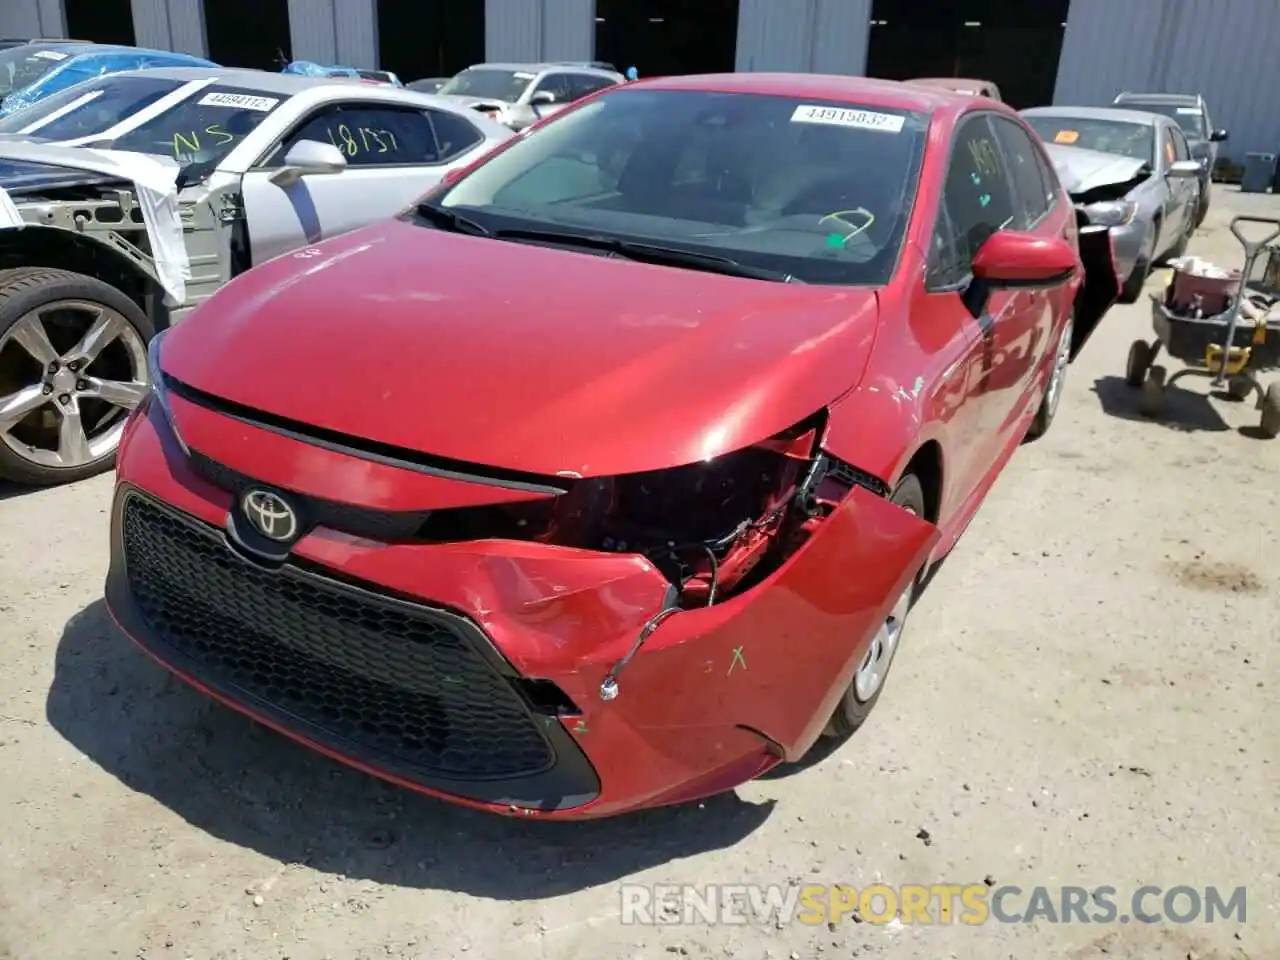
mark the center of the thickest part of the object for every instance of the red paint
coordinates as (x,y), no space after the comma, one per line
(532,359)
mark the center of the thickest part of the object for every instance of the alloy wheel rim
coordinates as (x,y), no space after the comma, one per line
(875,664)
(1061,360)
(70,372)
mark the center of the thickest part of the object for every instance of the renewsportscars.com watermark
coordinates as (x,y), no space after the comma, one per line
(930,904)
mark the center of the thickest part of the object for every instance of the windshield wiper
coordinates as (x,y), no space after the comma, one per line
(449,220)
(650,253)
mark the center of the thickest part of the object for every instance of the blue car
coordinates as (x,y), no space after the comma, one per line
(33,71)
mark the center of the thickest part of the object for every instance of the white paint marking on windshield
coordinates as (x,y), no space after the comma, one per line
(1189,110)
(62,111)
(49,55)
(147,113)
(842,117)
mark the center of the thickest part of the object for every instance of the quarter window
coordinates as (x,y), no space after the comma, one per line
(368,135)
(977,200)
(454,135)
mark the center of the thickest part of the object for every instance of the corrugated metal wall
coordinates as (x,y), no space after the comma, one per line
(32,18)
(170,25)
(530,30)
(1223,49)
(822,36)
(334,31)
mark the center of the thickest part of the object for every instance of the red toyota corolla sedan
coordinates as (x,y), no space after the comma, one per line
(605,477)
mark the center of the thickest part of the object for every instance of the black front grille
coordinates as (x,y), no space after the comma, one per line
(399,684)
(386,525)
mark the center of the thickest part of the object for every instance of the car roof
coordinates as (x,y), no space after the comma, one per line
(286,84)
(863,90)
(951,83)
(541,67)
(1189,99)
(1099,113)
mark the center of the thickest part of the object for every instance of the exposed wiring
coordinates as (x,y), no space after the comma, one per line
(715,575)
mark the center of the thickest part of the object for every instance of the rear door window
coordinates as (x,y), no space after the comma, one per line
(584,84)
(1034,197)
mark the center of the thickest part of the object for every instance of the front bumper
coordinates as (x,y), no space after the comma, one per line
(472,671)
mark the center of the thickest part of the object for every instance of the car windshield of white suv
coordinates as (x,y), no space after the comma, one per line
(774,187)
(504,85)
(22,66)
(1190,119)
(1122,138)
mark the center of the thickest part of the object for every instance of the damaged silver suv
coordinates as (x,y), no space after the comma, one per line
(127,200)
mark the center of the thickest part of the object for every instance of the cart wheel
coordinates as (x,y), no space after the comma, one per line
(1153,392)
(1139,362)
(1239,388)
(1271,411)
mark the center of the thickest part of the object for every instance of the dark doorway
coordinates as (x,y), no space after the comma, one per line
(1014,45)
(248,33)
(102,21)
(666,37)
(417,40)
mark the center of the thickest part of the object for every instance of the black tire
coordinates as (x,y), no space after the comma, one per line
(1048,408)
(1153,392)
(852,712)
(23,290)
(1139,362)
(1239,388)
(1132,288)
(1180,247)
(1271,411)
(1202,208)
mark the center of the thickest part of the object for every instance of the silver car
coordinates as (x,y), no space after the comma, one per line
(128,200)
(1130,171)
(520,94)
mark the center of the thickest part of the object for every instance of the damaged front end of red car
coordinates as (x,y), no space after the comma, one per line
(599,646)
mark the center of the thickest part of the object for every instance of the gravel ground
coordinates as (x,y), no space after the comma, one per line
(1086,696)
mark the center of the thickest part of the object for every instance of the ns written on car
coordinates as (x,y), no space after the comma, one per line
(195,123)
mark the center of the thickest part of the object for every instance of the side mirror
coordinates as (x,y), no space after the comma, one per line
(1185,168)
(1218,136)
(543,98)
(1013,259)
(309,158)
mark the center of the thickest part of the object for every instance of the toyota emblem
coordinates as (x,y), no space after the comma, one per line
(270,515)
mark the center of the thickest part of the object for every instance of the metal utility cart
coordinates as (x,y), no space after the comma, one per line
(1219,327)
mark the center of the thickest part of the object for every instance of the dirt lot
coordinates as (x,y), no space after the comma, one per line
(1087,696)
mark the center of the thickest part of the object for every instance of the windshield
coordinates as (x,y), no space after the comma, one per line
(1190,119)
(818,191)
(1133,140)
(504,85)
(87,108)
(203,128)
(22,66)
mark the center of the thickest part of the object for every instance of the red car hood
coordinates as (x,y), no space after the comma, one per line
(522,357)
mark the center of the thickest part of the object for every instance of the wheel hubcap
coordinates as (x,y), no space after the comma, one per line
(875,665)
(70,371)
(1061,360)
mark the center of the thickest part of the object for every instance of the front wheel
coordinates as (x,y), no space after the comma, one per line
(856,704)
(1053,388)
(73,363)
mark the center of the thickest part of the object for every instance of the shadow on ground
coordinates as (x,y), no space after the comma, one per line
(1182,410)
(247,785)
